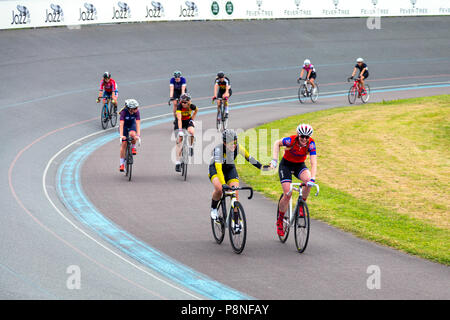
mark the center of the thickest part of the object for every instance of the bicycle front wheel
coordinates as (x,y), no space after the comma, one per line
(301,226)
(218,226)
(315,93)
(285,222)
(352,94)
(104,116)
(185,159)
(129,163)
(237,237)
(113,116)
(302,94)
(365,96)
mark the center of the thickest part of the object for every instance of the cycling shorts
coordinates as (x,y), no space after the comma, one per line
(229,172)
(287,168)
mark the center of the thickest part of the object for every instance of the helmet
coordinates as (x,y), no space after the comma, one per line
(131,104)
(106,75)
(177,74)
(229,135)
(360,60)
(307,62)
(185,97)
(304,130)
(220,74)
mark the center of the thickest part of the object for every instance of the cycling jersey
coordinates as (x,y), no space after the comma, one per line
(223,84)
(294,152)
(360,68)
(222,161)
(309,67)
(186,112)
(177,85)
(109,87)
(128,118)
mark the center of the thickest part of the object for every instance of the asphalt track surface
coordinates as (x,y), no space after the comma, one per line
(49,80)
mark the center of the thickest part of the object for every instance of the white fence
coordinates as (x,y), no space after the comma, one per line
(42,13)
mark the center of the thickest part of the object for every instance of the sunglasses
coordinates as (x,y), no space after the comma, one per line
(304,137)
(183,102)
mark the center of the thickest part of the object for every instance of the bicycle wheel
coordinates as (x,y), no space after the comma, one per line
(218,226)
(302,94)
(104,116)
(237,239)
(224,118)
(129,162)
(301,227)
(218,120)
(366,95)
(185,159)
(113,116)
(315,93)
(352,94)
(285,222)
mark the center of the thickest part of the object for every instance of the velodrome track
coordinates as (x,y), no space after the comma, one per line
(49,80)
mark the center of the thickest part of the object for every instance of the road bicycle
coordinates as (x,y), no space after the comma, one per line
(297,218)
(306,91)
(228,220)
(356,91)
(222,117)
(128,159)
(187,150)
(108,114)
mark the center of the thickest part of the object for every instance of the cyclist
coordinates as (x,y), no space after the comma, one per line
(310,73)
(222,89)
(186,112)
(222,170)
(130,125)
(177,87)
(363,72)
(297,148)
(108,89)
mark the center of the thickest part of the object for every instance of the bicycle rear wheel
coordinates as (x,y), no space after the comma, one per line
(301,226)
(315,93)
(113,116)
(352,94)
(366,95)
(285,222)
(237,239)
(104,116)
(218,226)
(302,94)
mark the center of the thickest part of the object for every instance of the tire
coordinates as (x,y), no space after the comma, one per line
(352,94)
(301,227)
(238,240)
(315,96)
(218,122)
(104,117)
(285,223)
(218,227)
(113,116)
(129,160)
(365,98)
(302,94)
(185,159)
(224,119)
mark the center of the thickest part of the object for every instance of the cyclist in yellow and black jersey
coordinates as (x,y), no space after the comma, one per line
(222,169)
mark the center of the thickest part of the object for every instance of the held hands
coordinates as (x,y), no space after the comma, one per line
(273,163)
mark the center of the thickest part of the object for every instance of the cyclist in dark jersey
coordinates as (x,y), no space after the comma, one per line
(222,169)
(129,125)
(363,71)
(222,89)
(297,148)
(186,112)
(177,87)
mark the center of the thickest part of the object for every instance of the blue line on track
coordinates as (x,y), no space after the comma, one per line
(70,191)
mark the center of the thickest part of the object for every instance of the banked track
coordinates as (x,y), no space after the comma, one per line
(49,80)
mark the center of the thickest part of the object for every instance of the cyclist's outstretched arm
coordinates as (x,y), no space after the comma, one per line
(194,114)
(276,150)
(301,73)
(249,158)
(354,72)
(183,88)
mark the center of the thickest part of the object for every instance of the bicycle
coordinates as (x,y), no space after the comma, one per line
(237,238)
(128,159)
(306,91)
(357,92)
(300,222)
(222,117)
(186,152)
(108,114)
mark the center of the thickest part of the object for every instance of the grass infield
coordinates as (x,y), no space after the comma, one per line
(383,171)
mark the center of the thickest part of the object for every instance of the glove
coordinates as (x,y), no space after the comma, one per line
(298,80)
(98,100)
(350,78)
(274,163)
(311,183)
(214,98)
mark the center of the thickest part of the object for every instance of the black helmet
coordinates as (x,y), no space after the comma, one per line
(177,74)
(220,74)
(185,97)
(229,135)
(106,75)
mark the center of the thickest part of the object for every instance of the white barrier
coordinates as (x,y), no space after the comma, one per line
(42,13)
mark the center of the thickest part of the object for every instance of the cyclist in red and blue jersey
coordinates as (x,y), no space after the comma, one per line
(177,87)
(130,125)
(297,149)
(108,89)
(311,74)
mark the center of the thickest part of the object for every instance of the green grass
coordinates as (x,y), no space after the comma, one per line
(383,170)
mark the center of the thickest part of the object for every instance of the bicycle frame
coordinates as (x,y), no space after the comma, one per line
(357,85)
(297,187)
(231,192)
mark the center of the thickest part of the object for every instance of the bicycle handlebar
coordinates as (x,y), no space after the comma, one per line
(225,188)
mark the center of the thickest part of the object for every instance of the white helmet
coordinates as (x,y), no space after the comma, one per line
(307,62)
(131,104)
(304,130)
(360,60)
